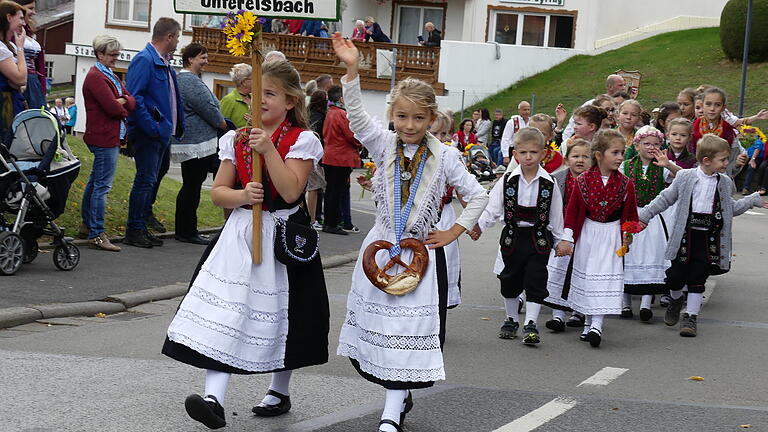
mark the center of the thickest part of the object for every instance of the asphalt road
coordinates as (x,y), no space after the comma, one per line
(106,374)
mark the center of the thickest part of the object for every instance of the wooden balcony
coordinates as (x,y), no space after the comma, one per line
(314,56)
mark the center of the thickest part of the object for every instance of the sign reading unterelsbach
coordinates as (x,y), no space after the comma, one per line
(304,9)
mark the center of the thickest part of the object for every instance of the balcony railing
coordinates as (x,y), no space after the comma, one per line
(314,56)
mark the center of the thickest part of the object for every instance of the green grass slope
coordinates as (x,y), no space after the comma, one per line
(669,62)
(208,215)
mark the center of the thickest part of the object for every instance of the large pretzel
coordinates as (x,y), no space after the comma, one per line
(401,283)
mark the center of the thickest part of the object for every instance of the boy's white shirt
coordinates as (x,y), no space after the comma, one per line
(527,196)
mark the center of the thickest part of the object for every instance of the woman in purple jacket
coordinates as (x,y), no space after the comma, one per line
(107,104)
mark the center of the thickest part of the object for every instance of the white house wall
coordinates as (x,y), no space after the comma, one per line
(63,67)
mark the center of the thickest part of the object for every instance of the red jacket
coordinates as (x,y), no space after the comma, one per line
(294,25)
(102,111)
(341,147)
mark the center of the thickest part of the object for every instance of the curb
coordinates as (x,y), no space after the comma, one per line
(16,316)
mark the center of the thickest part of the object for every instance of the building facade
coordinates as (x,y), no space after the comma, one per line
(505,39)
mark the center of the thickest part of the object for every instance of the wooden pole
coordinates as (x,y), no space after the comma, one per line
(256,122)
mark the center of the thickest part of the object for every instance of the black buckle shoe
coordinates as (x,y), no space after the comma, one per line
(264,410)
(594,337)
(626,312)
(556,325)
(646,314)
(672,316)
(576,320)
(531,334)
(209,413)
(688,326)
(391,423)
(509,329)
(137,238)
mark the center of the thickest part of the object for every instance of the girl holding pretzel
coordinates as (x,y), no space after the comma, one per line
(395,324)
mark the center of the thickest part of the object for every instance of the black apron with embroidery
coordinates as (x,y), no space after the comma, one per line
(712,224)
(538,216)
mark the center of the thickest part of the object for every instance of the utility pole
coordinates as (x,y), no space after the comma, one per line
(745,58)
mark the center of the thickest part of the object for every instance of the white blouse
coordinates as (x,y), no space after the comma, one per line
(6,53)
(307,147)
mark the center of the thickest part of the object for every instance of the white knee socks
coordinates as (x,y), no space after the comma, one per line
(511,305)
(532,312)
(216,384)
(280,383)
(694,303)
(587,324)
(394,403)
(626,300)
(597,323)
(558,314)
(645,302)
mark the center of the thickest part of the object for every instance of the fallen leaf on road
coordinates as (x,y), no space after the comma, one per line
(745,426)
(100,315)
(485,319)
(614,409)
(696,378)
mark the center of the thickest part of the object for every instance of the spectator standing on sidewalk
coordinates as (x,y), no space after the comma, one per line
(157,117)
(196,150)
(69,103)
(515,123)
(60,111)
(318,107)
(342,154)
(482,119)
(497,131)
(236,106)
(107,105)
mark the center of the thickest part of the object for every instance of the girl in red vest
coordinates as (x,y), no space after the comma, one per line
(602,200)
(712,122)
(243,318)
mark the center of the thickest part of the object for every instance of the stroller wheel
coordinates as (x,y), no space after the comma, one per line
(30,250)
(11,252)
(66,258)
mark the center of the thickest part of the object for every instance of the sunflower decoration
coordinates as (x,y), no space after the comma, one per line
(239,29)
(750,134)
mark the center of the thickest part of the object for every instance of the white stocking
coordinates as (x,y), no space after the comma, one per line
(216,384)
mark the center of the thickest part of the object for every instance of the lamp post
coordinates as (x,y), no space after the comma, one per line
(745,58)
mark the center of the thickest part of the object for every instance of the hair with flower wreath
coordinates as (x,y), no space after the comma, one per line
(648,131)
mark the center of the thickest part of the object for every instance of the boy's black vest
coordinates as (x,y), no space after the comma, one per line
(538,216)
(708,224)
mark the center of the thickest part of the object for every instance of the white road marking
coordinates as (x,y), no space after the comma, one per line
(754,213)
(540,416)
(604,376)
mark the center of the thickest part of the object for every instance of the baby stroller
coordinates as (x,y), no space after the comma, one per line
(36,173)
(479,163)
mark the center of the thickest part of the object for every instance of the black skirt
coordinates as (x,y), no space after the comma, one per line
(308,320)
(442,289)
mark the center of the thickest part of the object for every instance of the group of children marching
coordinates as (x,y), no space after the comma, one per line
(558,246)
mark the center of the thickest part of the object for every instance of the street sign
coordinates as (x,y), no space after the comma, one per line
(301,9)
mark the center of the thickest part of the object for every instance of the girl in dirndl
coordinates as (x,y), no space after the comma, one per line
(602,201)
(396,340)
(245,318)
(645,264)
(559,268)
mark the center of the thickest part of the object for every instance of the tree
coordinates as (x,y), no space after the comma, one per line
(732,25)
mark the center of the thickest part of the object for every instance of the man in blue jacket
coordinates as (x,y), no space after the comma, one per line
(158,116)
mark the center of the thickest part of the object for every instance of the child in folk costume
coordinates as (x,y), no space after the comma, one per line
(529,202)
(714,104)
(700,241)
(586,122)
(559,268)
(644,264)
(449,256)
(553,159)
(244,318)
(678,136)
(630,112)
(395,340)
(601,202)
